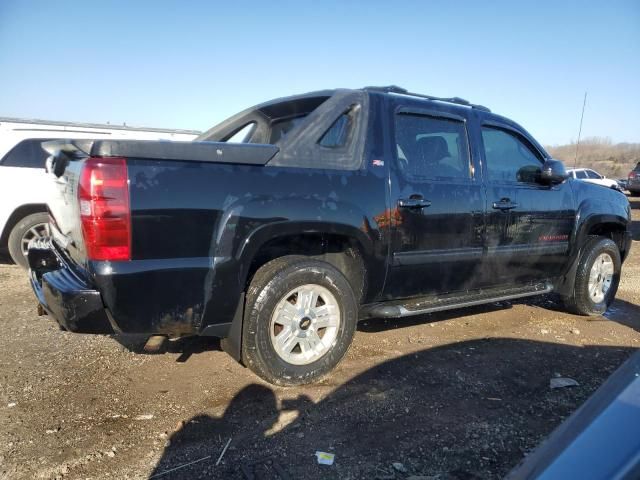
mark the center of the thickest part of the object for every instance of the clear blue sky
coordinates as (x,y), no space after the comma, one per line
(190,64)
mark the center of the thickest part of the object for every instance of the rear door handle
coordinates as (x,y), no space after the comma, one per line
(504,204)
(415,203)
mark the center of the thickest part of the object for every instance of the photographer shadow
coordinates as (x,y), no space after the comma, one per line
(433,409)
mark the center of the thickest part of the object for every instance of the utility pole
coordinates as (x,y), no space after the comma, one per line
(584,103)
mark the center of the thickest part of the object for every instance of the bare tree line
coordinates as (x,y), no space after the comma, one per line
(614,160)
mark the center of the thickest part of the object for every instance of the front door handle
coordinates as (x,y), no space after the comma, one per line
(504,204)
(413,202)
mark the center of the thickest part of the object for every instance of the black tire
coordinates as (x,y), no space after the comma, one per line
(580,302)
(268,287)
(17,236)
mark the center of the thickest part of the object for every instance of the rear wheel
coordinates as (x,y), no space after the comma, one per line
(32,226)
(300,318)
(597,278)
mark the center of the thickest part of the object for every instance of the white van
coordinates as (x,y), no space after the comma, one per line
(23,183)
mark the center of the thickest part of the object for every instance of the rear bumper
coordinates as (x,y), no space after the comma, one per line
(64,293)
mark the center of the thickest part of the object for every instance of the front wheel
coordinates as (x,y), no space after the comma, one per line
(300,318)
(597,277)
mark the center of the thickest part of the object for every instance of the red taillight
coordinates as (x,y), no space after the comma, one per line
(632,175)
(103,193)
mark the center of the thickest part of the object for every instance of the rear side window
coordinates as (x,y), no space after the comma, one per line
(430,148)
(581,174)
(508,157)
(27,154)
(338,134)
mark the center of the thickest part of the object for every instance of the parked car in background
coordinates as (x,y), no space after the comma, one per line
(622,183)
(633,180)
(591,176)
(23,183)
(337,205)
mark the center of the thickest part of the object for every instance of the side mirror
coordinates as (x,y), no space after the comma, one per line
(553,172)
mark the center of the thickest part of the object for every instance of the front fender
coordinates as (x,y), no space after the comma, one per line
(591,212)
(597,211)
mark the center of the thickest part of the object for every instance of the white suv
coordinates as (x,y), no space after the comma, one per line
(23,182)
(591,176)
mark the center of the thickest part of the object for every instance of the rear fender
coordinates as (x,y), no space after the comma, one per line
(239,238)
(245,227)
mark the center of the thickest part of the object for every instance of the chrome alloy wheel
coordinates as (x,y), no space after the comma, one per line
(305,323)
(600,277)
(37,231)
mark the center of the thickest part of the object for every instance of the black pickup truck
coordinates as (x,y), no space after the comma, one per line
(280,228)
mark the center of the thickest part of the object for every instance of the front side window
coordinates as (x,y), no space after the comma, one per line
(431,148)
(27,154)
(508,158)
(593,175)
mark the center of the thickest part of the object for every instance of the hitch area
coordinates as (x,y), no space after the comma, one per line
(155,343)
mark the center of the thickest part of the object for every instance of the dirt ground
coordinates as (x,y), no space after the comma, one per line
(458,395)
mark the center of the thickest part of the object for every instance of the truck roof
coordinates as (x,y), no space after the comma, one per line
(390,89)
(403,91)
(299,105)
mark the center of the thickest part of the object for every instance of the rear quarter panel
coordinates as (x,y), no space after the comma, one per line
(197,226)
(65,211)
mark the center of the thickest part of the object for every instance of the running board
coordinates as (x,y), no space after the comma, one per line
(419,306)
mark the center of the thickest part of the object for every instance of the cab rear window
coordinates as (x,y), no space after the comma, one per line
(280,128)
